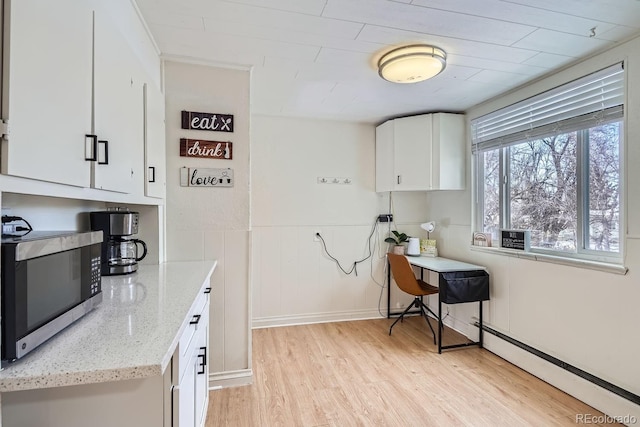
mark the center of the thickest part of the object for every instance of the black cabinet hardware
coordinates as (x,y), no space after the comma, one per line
(203,358)
(91,146)
(106,153)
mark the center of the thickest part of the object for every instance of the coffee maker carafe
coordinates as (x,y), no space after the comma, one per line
(120,254)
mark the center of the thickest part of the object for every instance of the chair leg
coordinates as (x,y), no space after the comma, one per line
(426,319)
(402,315)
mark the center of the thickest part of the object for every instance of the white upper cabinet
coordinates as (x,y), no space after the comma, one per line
(448,152)
(74,99)
(47,90)
(421,153)
(154,142)
(118,110)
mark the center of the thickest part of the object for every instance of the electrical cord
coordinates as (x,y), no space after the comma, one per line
(354,266)
(9,230)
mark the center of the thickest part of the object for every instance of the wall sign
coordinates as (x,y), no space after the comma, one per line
(206,177)
(515,239)
(207,121)
(206,149)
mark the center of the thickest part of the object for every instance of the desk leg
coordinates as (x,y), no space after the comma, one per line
(480,328)
(439,326)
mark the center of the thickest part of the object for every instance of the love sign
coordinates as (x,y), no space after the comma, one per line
(206,177)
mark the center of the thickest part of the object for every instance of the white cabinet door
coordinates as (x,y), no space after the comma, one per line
(202,370)
(449,152)
(47,90)
(191,396)
(187,397)
(385,173)
(412,152)
(118,109)
(154,142)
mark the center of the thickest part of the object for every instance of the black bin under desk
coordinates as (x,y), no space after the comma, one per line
(460,287)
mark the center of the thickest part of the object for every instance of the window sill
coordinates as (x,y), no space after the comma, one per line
(534,256)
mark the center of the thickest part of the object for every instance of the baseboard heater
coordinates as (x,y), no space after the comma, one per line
(564,365)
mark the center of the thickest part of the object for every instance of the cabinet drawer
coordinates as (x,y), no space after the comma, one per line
(198,316)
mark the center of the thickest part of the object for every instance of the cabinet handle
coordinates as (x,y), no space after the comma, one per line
(203,362)
(195,320)
(91,146)
(399,179)
(152,169)
(106,153)
(207,290)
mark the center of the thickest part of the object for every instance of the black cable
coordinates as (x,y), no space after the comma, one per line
(354,267)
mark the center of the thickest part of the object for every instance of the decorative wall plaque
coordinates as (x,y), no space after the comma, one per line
(206,149)
(207,121)
(482,239)
(206,177)
(515,239)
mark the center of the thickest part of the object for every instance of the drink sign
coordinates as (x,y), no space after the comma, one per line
(207,121)
(206,149)
(206,177)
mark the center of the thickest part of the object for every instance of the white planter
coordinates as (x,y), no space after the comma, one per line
(398,249)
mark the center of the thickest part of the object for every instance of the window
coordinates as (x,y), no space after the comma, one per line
(551,164)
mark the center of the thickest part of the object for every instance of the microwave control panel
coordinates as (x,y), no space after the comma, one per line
(95,275)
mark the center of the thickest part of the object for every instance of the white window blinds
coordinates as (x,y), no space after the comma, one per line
(594,99)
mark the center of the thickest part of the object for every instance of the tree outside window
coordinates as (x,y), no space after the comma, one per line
(564,188)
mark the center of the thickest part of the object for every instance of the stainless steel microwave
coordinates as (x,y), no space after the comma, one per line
(49,280)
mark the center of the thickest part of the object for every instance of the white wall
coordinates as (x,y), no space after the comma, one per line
(293,281)
(62,214)
(213,223)
(584,317)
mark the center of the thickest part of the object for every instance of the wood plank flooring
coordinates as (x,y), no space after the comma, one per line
(355,374)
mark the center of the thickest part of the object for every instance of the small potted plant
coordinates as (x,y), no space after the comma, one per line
(397,240)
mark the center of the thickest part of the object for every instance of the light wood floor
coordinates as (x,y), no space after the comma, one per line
(355,374)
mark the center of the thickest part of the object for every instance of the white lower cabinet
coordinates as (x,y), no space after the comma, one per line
(177,398)
(191,369)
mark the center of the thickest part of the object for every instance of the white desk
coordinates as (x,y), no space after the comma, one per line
(440,265)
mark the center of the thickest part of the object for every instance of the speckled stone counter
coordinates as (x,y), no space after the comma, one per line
(132,334)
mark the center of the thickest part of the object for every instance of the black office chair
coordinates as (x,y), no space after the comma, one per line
(407,282)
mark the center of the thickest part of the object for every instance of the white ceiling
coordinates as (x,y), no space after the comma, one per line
(316,58)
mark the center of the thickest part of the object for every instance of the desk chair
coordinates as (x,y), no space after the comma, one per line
(407,282)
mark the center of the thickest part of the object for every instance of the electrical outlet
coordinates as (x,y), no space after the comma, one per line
(385,218)
(316,238)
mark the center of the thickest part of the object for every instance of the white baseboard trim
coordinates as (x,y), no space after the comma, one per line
(303,319)
(225,379)
(593,395)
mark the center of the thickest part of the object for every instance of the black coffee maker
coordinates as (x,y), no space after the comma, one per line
(119,253)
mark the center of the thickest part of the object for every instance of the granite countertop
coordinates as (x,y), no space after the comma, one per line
(131,334)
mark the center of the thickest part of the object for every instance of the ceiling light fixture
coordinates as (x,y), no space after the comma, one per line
(412,63)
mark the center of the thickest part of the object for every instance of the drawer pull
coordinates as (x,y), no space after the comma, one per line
(195,320)
(207,290)
(203,362)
